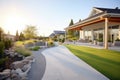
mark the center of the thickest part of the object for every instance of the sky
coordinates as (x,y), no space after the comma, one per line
(46,15)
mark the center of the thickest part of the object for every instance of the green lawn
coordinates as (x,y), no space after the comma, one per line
(105,61)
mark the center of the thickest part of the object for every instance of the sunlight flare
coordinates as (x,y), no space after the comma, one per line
(14,22)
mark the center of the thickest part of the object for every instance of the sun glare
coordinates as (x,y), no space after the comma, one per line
(14,22)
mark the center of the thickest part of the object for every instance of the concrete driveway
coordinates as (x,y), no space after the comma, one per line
(61,64)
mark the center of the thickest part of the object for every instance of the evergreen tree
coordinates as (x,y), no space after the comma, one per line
(1,33)
(71,22)
(21,37)
(80,20)
(70,34)
(17,36)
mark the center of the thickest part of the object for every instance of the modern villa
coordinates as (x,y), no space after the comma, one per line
(103,24)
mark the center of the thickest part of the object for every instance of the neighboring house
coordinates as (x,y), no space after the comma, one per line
(57,34)
(9,36)
(102,23)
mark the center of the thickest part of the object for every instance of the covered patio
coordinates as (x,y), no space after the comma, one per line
(102,27)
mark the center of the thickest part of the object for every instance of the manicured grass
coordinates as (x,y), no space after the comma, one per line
(105,61)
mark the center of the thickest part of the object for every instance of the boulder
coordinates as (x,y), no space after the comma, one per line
(23,75)
(26,68)
(29,58)
(5,74)
(15,75)
(17,64)
(25,61)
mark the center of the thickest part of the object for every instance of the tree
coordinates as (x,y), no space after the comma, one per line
(30,32)
(1,33)
(21,37)
(70,34)
(17,36)
(1,49)
(71,22)
(80,20)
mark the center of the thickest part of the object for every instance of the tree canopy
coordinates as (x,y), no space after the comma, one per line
(30,31)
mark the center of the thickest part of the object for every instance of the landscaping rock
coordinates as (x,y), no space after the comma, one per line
(5,74)
(29,58)
(17,64)
(21,74)
(14,75)
(25,62)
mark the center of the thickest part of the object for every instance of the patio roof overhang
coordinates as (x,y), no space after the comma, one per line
(101,18)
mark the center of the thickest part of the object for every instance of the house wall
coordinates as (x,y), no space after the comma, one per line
(81,34)
(10,37)
(100,25)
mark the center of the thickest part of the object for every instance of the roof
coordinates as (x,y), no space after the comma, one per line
(103,11)
(51,35)
(98,12)
(9,35)
(59,32)
(109,10)
(56,32)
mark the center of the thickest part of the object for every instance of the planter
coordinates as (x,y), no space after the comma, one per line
(116,43)
(95,42)
(100,43)
(109,44)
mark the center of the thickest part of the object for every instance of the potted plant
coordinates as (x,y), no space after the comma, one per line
(90,41)
(117,42)
(100,42)
(109,43)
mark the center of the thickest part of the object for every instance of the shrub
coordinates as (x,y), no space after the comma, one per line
(36,48)
(109,41)
(19,43)
(8,43)
(50,44)
(63,40)
(23,51)
(100,40)
(117,39)
(1,49)
(2,63)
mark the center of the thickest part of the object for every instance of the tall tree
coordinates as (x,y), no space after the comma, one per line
(17,36)
(30,32)
(1,33)
(70,34)
(80,20)
(71,22)
(21,37)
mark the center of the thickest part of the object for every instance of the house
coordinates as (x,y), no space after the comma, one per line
(102,24)
(57,34)
(9,36)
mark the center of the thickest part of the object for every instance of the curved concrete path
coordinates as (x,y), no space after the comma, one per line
(61,64)
(38,67)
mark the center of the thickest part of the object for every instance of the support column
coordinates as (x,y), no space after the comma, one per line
(92,35)
(119,32)
(106,33)
(79,34)
(84,34)
(66,35)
